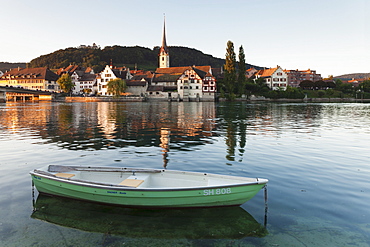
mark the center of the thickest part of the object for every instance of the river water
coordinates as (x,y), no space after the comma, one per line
(316,157)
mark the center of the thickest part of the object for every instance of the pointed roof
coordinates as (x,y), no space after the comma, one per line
(164,47)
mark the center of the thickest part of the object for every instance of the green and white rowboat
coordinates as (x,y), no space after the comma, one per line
(133,187)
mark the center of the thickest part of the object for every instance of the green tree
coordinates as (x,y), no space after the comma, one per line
(346,88)
(229,69)
(116,87)
(365,86)
(241,72)
(306,84)
(65,83)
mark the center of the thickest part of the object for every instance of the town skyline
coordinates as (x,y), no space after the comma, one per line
(328,36)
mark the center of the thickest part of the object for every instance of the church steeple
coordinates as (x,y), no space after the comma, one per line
(164,56)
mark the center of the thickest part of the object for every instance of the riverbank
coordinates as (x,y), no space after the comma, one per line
(253,99)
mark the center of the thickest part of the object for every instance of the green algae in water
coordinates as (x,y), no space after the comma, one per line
(203,223)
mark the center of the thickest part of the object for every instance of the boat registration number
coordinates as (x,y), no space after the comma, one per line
(212,192)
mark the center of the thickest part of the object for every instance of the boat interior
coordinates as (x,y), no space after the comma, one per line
(143,178)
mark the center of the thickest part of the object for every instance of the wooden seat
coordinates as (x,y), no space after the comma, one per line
(131,182)
(64,175)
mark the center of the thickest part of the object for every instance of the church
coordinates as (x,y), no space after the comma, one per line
(188,83)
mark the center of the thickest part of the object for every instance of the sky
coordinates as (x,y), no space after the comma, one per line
(329,36)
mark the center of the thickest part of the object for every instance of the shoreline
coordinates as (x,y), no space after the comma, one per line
(144,99)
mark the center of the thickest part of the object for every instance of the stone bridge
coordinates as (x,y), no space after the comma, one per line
(9,93)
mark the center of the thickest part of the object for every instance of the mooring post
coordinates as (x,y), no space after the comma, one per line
(266,206)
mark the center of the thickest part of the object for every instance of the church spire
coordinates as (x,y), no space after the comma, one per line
(164,57)
(164,43)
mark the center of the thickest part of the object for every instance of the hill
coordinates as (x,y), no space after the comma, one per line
(143,58)
(4,66)
(353,75)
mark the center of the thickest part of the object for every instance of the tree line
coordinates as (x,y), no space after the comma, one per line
(143,58)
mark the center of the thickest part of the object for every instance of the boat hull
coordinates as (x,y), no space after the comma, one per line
(225,195)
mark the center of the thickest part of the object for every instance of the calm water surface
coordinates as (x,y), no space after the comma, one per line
(316,157)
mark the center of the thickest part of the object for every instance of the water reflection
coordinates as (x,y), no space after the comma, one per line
(172,126)
(95,126)
(210,223)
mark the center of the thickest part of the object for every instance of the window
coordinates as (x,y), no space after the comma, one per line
(197,87)
(192,81)
(108,75)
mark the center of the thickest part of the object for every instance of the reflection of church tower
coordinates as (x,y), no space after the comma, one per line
(164,56)
(165,144)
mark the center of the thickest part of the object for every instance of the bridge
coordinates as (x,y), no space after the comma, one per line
(9,93)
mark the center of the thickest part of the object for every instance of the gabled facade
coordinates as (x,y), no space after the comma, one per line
(109,73)
(250,73)
(190,83)
(84,82)
(84,79)
(31,78)
(197,84)
(275,78)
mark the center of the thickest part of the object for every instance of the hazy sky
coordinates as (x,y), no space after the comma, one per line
(331,36)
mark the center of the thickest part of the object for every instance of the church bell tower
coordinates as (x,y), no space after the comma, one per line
(164,56)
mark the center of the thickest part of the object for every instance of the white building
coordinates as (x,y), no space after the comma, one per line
(109,73)
(190,83)
(275,78)
(84,82)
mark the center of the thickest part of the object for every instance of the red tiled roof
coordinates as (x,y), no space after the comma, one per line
(38,73)
(266,72)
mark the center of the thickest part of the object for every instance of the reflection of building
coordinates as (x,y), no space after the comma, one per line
(106,120)
(104,125)
(165,144)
